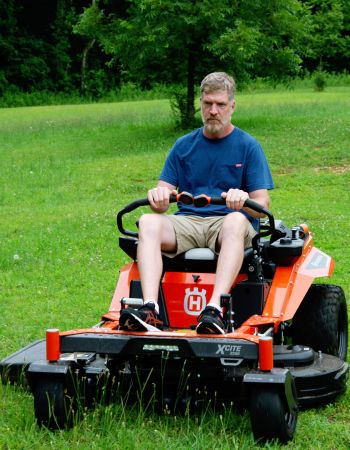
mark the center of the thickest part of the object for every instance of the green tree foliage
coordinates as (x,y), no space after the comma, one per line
(34,45)
(329,44)
(179,41)
(21,55)
(40,52)
(89,46)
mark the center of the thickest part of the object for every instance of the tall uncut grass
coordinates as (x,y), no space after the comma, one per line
(66,171)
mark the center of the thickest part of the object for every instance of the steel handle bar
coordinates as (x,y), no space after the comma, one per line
(198,201)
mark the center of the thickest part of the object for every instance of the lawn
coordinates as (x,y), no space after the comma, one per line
(67,170)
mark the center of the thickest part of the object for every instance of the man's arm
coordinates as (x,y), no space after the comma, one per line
(159,196)
(262,197)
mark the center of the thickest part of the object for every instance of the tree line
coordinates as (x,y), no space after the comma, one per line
(93,46)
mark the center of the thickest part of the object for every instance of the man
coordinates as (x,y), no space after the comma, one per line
(218,159)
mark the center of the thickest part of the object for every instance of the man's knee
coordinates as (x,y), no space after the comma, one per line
(235,222)
(234,225)
(149,224)
(157,228)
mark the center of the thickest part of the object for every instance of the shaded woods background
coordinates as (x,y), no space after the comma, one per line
(89,48)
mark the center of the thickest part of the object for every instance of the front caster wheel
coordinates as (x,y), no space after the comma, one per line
(270,416)
(54,406)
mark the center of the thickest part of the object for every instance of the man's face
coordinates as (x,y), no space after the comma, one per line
(216,110)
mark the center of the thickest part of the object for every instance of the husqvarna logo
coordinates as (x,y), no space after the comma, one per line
(194,301)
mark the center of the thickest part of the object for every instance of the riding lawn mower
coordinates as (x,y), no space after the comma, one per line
(284,347)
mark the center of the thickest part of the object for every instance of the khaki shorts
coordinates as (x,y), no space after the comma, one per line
(196,231)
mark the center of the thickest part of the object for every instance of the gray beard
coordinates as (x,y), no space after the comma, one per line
(213,128)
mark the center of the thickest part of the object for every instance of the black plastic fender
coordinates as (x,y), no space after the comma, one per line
(280,377)
(45,369)
(41,367)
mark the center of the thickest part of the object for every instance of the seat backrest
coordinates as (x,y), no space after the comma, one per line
(201,254)
(200,260)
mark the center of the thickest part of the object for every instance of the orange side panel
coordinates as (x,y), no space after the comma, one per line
(127,273)
(291,284)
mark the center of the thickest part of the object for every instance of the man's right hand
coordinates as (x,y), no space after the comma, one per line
(158,198)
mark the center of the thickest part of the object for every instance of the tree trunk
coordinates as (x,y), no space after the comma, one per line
(86,50)
(190,110)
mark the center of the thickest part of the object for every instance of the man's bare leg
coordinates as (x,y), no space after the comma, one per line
(156,234)
(231,241)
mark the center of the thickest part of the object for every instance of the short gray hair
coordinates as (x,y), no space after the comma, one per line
(219,81)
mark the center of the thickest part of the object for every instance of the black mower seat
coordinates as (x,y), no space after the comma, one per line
(194,260)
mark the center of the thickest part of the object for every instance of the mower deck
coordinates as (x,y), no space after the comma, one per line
(319,378)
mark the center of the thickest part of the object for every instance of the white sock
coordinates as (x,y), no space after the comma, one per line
(214,305)
(156,306)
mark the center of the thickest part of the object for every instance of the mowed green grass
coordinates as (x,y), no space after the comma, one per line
(65,171)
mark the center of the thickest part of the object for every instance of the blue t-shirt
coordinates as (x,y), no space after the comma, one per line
(200,165)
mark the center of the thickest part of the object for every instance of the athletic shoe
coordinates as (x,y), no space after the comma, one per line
(210,321)
(142,319)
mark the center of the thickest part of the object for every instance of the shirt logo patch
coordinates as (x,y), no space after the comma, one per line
(238,165)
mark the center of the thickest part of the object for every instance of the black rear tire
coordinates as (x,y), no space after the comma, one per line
(269,415)
(321,322)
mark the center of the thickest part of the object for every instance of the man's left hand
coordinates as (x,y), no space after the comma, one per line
(235,198)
